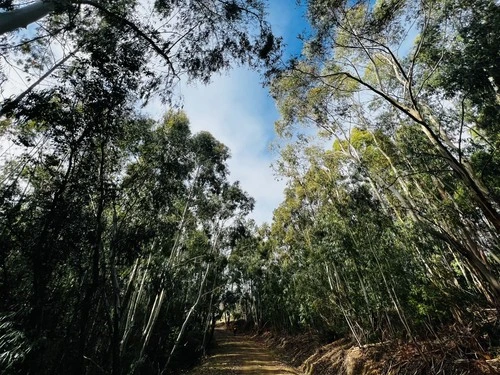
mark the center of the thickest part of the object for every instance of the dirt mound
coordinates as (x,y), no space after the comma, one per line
(342,357)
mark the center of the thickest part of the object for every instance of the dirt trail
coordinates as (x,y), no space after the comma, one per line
(239,354)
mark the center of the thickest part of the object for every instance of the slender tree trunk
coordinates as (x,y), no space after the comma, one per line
(12,104)
(188,317)
(132,307)
(428,124)
(117,305)
(481,270)
(467,178)
(95,267)
(174,254)
(206,342)
(22,17)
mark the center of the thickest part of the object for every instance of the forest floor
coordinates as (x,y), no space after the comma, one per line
(247,354)
(241,355)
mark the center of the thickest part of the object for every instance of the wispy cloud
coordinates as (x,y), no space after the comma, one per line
(240,113)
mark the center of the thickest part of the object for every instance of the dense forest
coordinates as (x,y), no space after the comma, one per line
(123,239)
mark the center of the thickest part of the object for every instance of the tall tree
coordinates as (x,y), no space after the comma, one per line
(116,227)
(169,39)
(389,66)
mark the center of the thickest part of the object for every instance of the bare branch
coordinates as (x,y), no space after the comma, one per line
(14,103)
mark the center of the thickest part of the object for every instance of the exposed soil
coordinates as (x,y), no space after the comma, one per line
(343,357)
(240,354)
(260,355)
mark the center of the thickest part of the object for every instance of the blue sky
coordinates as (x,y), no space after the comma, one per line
(236,109)
(239,112)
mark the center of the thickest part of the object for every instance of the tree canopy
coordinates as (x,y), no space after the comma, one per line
(389,226)
(155,42)
(123,239)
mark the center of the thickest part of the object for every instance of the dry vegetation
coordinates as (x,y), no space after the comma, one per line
(342,357)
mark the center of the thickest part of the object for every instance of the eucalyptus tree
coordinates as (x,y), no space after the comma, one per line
(119,237)
(72,136)
(177,209)
(181,38)
(103,217)
(390,66)
(340,260)
(247,268)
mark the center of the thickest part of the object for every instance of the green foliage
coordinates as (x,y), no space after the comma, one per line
(122,240)
(115,229)
(158,45)
(14,347)
(116,222)
(386,234)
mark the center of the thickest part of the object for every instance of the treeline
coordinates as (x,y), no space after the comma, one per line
(113,237)
(391,230)
(114,228)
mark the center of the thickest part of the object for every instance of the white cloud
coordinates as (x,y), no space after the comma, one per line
(239,113)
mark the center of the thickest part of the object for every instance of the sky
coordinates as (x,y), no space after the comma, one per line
(240,113)
(236,109)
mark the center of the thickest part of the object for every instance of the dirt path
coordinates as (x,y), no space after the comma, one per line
(239,354)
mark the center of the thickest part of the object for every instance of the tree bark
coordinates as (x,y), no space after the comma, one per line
(15,19)
(186,321)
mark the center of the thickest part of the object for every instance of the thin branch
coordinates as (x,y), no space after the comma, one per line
(14,103)
(414,60)
(462,122)
(408,111)
(135,28)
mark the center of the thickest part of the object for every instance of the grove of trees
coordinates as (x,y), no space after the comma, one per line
(114,228)
(123,241)
(390,224)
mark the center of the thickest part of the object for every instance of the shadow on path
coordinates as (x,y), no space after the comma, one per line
(239,355)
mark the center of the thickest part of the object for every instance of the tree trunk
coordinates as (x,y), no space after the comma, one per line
(186,321)
(10,21)
(95,282)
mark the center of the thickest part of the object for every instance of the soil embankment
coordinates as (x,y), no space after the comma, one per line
(343,357)
(259,355)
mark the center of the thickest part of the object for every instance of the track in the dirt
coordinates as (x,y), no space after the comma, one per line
(239,354)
